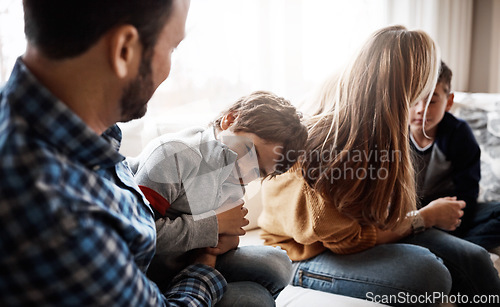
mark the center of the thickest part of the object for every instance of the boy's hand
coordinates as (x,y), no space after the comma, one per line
(231,218)
(226,243)
(444,213)
(205,258)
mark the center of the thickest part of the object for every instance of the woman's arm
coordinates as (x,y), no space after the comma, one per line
(444,213)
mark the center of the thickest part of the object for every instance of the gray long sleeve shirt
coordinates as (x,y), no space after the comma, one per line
(189,170)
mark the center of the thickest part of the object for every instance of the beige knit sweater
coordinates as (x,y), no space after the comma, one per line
(297,219)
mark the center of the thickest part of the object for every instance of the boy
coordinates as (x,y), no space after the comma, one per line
(195,181)
(447,164)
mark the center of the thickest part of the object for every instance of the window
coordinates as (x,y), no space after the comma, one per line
(235,46)
(12,42)
(289,47)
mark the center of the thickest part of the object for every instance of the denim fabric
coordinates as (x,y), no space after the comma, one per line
(246,294)
(249,271)
(384,270)
(483,227)
(470,265)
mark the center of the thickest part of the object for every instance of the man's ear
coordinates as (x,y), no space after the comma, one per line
(227,121)
(449,103)
(125,50)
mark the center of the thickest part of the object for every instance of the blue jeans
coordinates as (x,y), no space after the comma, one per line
(469,264)
(482,227)
(384,270)
(255,275)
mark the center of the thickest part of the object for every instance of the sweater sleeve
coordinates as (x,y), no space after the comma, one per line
(465,157)
(297,219)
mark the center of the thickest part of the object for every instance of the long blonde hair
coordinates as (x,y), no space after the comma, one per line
(357,155)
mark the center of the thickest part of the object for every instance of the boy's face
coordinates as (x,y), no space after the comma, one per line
(256,157)
(439,104)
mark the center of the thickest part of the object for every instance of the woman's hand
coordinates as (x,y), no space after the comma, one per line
(444,213)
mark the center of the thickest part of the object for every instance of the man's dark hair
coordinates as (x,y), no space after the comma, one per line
(445,75)
(67,28)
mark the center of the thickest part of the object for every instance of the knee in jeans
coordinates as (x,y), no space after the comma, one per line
(246,294)
(480,254)
(277,261)
(434,276)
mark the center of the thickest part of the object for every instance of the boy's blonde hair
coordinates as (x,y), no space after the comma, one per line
(365,110)
(273,119)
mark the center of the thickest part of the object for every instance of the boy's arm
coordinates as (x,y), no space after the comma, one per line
(165,171)
(161,171)
(187,232)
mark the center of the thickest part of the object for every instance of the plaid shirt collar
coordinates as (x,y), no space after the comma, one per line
(56,124)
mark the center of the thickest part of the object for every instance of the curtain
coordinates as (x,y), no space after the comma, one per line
(494,84)
(449,22)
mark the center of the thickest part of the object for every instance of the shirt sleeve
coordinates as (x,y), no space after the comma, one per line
(86,263)
(186,232)
(194,285)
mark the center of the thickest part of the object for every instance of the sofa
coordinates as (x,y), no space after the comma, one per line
(480,110)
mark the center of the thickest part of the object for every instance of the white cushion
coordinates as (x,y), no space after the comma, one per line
(293,296)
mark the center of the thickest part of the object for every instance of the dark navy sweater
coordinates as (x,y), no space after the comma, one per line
(451,166)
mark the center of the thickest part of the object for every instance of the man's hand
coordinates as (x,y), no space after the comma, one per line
(226,243)
(444,213)
(231,218)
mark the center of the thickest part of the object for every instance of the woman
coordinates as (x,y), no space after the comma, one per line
(354,191)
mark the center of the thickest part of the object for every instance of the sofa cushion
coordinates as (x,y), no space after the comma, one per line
(482,113)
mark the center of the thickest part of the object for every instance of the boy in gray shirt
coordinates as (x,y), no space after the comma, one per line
(195,181)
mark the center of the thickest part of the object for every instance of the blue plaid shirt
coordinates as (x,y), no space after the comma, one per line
(75,228)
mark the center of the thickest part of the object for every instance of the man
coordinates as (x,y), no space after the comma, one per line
(76,230)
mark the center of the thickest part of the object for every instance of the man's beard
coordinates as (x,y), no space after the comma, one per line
(138,92)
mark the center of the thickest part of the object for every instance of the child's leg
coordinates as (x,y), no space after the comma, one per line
(246,294)
(470,265)
(484,228)
(265,265)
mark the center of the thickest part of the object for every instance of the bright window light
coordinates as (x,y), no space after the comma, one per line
(233,47)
